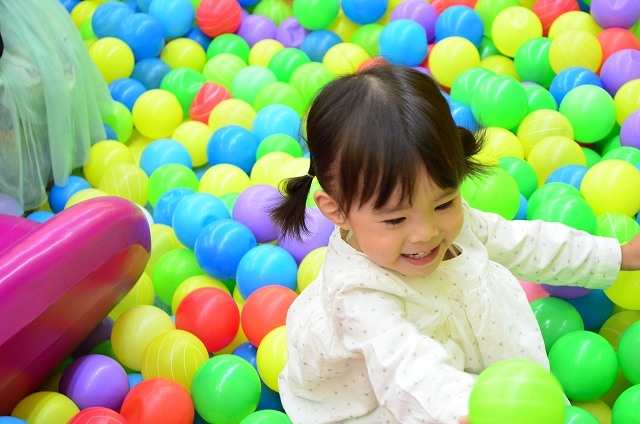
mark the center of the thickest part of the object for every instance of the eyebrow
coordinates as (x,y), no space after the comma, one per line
(391,209)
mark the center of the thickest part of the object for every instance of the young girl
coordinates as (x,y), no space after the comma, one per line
(419,292)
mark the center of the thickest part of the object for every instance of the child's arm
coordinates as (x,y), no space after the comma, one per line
(631,254)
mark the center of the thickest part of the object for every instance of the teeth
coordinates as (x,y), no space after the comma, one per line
(418,255)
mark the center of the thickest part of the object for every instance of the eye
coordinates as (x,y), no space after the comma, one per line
(395,221)
(444,205)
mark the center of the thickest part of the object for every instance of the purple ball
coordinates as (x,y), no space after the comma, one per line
(630,130)
(254,28)
(620,68)
(95,380)
(615,13)
(421,12)
(252,207)
(290,33)
(320,229)
(566,292)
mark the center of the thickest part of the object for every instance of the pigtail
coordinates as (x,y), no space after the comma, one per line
(290,211)
(472,144)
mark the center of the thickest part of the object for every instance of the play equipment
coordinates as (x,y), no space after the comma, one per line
(58,280)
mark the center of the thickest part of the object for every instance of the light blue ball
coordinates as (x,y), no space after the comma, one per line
(193,213)
(164,151)
(264,265)
(403,42)
(234,145)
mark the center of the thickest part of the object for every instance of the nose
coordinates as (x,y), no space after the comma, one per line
(422,230)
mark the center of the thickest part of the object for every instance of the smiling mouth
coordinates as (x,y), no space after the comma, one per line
(420,255)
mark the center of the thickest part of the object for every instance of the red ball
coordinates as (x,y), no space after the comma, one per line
(549,10)
(216,17)
(158,401)
(211,315)
(613,40)
(209,95)
(98,415)
(265,309)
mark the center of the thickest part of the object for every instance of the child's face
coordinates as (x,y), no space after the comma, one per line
(410,239)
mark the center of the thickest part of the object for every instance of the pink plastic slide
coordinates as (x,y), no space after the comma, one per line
(58,280)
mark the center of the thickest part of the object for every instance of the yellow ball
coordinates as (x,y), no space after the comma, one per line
(45,408)
(82,195)
(222,69)
(136,144)
(295,167)
(552,152)
(194,136)
(176,355)
(343,26)
(192,283)
(184,53)
(157,113)
(133,331)
(514,26)
(103,155)
(501,65)
(575,47)
(127,181)
(540,124)
(232,112)
(615,325)
(266,170)
(627,100)
(113,58)
(83,11)
(223,178)
(499,142)
(344,58)
(612,185)
(450,56)
(575,19)
(140,294)
(263,51)
(310,266)
(600,410)
(272,356)
(625,292)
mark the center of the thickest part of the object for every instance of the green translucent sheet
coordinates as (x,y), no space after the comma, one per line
(51,94)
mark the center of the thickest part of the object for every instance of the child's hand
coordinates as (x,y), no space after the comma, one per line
(464,420)
(631,254)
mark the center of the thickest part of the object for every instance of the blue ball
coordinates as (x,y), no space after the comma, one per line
(109,132)
(403,42)
(248,352)
(164,151)
(11,420)
(364,12)
(60,195)
(143,34)
(126,91)
(276,119)
(143,5)
(316,43)
(134,379)
(150,72)
(199,37)
(221,245)
(107,18)
(570,78)
(40,216)
(166,204)
(175,16)
(193,213)
(266,264)
(568,174)
(460,21)
(69,4)
(594,308)
(463,116)
(522,209)
(235,145)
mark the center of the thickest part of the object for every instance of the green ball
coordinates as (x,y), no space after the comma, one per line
(556,317)
(467,83)
(266,416)
(229,199)
(276,10)
(287,60)
(617,225)
(570,210)
(591,156)
(496,191)
(628,349)
(316,14)
(229,43)
(577,415)
(500,102)
(549,191)
(538,98)
(626,153)
(585,363)
(225,389)
(167,177)
(223,68)
(626,408)
(279,143)
(309,78)
(249,81)
(171,269)
(591,111)
(522,172)
(487,48)
(532,62)
(279,93)
(367,37)
(315,186)
(516,391)
(184,83)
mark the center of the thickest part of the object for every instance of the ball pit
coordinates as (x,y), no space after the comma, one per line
(207,88)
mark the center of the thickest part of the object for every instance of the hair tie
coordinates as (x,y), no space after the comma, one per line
(310,175)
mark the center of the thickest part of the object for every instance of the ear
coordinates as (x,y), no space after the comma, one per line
(330,209)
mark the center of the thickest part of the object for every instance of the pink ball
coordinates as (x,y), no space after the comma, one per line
(533,291)
(217,17)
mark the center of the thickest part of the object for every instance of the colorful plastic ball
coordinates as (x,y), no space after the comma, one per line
(403,42)
(500,102)
(594,308)
(568,174)
(285,61)
(549,10)
(96,415)
(591,111)
(229,43)
(263,265)
(252,209)
(556,317)
(150,71)
(82,195)
(630,131)
(576,415)
(134,329)
(613,40)
(221,245)
(175,16)
(207,97)
(276,119)
(627,353)
(226,389)
(199,37)
(612,185)
(364,12)
(157,113)
(367,37)
(319,230)
(532,61)
(233,144)
(127,181)
(275,10)
(176,355)
(316,14)
(166,204)
(585,364)
(107,17)
(113,58)
(617,225)
(170,176)
(575,47)
(553,152)
(119,119)
(624,292)
(460,21)
(263,51)
(344,58)
(310,266)
(143,34)
(223,178)
(256,27)
(317,43)
(158,400)
(512,27)
(450,57)
(613,328)
(279,93)
(620,68)
(309,78)
(497,192)
(625,153)
(59,194)
(184,83)
(194,136)
(468,82)
(103,155)
(95,380)
(626,407)
(516,390)
(264,310)
(164,151)
(522,172)
(290,33)
(45,407)
(540,124)
(126,91)
(222,69)
(193,213)
(538,98)
(272,356)
(233,112)
(141,294)
(416,10)
(266,416)
(619,14)
(570,210)
(627,100)
(216,17)
(171,269)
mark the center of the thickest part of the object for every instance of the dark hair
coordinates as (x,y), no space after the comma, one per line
(371,132)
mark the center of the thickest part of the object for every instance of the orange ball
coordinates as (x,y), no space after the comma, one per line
(264,310)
